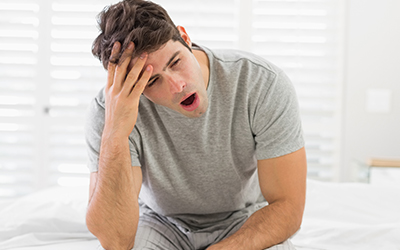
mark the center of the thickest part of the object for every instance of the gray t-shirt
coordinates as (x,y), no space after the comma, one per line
(206,168)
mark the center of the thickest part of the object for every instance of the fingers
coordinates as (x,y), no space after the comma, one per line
(133,82)
(141,84)
(121,69)
(112,64)
(137,74)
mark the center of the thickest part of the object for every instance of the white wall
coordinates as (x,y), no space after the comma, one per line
(372,62)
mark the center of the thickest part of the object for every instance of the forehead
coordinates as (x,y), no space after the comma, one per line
(161,56)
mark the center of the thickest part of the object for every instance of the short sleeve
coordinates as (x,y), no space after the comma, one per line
(276,124)
(134,147)
(94,126)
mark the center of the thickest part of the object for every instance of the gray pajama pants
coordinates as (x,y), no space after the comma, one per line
(156,232)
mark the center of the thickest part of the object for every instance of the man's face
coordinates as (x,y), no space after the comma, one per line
(177,81)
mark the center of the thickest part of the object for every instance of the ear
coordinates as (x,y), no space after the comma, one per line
(185,36)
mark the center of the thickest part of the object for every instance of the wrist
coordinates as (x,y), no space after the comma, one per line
(114,142)
(113,133)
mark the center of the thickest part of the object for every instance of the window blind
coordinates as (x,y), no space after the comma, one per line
(75,77)
(19,32)
(48,76)
(210,23)
(304,38)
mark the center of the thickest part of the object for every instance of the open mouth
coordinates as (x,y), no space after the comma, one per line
(189,101)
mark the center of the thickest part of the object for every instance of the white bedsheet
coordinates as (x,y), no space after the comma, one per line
(55,215)
(338,216)
(350,216)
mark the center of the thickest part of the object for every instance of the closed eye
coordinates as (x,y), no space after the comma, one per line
(175,62)
(171,65)
(152,82)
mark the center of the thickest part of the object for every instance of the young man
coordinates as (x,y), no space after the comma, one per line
(190,148)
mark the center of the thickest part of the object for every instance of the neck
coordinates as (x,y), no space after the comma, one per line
(202,59)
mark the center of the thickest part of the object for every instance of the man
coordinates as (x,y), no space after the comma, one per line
(189,148)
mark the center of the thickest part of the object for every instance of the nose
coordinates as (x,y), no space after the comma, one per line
(176,85)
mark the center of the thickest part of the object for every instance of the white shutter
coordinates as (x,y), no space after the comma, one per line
(75,78)
(47,78)
(304,38)
(208,22)
(48,75)
(19,23)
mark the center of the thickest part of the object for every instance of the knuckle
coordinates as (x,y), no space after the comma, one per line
(114,61)
(114,58)
(124,60)
(110,66)
(131,79)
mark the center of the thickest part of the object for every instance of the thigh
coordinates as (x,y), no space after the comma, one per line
(286,245)
(157,233)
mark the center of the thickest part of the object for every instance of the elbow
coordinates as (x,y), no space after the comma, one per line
(91,223)
(113,245)
(116,242)
(297,224)
(107,245)
(109,237)
(297,219)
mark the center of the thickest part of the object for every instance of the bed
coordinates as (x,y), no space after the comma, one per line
(338,216)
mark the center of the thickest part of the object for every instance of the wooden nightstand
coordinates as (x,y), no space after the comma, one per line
(384,171)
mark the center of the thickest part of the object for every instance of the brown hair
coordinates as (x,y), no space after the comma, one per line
(145,23)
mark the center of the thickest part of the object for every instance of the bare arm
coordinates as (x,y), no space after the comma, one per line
(283,184)
(113,210)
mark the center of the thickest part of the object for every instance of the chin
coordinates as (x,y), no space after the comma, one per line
(200,111)
(194,115)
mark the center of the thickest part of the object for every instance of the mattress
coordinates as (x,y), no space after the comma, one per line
(338,216)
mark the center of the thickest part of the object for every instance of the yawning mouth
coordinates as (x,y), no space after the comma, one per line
(189,101)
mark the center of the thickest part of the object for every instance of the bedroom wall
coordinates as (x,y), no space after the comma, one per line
(371,126)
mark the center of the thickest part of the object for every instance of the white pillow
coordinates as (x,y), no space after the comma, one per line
(52,215)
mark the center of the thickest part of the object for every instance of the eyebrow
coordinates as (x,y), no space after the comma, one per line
(166,65)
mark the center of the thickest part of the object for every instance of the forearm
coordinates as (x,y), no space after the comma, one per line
(113,210)
(268,226)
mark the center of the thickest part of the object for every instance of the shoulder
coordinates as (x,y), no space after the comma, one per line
(99,100)
(250,73)
(95,113)
(241,60)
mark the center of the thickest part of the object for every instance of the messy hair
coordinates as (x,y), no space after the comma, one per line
(145,23)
